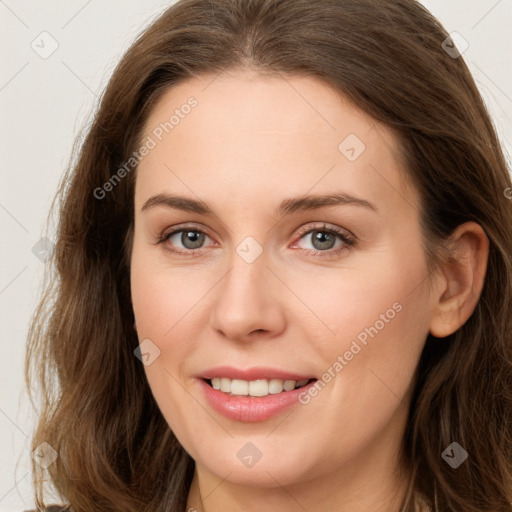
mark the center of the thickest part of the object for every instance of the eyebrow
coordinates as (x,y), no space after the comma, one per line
(287,206)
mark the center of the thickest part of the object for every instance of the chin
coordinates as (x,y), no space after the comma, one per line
(273,469)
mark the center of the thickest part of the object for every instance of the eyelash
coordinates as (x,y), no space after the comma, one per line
(349,241)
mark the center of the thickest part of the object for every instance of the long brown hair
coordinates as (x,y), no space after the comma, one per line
(115,449)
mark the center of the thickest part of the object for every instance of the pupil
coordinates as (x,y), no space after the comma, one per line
(197,239)
(321,237)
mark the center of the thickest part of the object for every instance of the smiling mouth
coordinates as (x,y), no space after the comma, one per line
(255,388)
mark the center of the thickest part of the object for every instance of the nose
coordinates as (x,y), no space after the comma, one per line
(250,301)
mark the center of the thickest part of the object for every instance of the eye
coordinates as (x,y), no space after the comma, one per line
(190,239)
(321,237)
(323,240)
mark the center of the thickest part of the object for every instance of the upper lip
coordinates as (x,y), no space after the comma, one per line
(255,373)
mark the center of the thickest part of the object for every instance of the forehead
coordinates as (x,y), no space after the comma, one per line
(248,134)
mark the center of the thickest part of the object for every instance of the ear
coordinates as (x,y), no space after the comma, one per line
(462,279)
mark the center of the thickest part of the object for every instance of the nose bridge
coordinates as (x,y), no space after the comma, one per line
(245,302)
(245,284)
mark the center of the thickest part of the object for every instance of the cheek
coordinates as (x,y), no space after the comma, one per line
(164,312)
(377,301)
(381,327)
(162,297)
(368,365)
(169,310)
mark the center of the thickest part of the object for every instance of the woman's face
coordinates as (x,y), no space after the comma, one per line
(299,258)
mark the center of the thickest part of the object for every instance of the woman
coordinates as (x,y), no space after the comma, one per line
(197,355)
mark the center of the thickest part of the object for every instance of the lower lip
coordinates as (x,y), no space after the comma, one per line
(251,408)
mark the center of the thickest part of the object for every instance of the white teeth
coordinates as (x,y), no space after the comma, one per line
(275,386)
(289,385)
(256,388)
(260,387)
(225,385)
(239,387)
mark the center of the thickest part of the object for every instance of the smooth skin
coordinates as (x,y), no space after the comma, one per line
(251,142)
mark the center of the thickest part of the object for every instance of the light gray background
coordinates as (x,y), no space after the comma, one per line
(45,102)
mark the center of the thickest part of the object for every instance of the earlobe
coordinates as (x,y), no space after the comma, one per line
(463,279)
